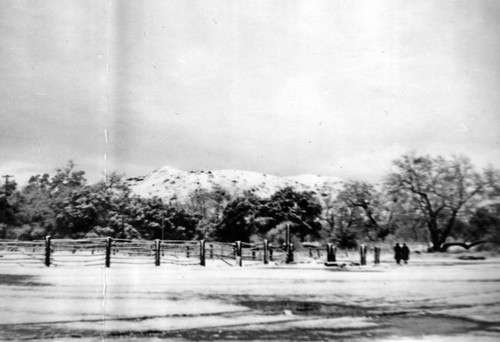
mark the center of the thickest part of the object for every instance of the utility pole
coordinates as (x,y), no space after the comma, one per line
(6,183)
(162,227)
(288,245)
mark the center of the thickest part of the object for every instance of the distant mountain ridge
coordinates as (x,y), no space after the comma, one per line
(172,184)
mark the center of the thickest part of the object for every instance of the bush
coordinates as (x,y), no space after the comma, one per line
(346,238)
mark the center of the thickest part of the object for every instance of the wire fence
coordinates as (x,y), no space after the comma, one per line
(85,252)
(222,251)
(179,252)
(22,252)
(108,251)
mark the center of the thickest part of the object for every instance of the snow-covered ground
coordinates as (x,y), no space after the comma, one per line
(430,299)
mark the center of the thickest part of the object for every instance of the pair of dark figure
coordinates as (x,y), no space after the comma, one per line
(401,253)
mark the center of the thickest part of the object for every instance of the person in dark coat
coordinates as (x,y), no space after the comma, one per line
(405,253)
(397,253)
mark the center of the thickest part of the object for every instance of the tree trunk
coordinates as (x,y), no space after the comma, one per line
(465,245)
(439,237)
(449,226)
(435,236)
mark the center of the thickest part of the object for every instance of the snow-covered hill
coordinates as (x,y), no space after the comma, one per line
(172,184)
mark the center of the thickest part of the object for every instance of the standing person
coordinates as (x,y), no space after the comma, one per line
(405,253)
(397,253)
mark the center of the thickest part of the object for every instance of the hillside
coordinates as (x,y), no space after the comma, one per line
(172,184)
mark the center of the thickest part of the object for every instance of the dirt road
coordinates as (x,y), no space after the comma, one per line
(424,301)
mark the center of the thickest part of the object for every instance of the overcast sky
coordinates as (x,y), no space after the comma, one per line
(336,88)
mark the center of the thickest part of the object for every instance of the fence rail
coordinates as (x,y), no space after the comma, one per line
(108,251)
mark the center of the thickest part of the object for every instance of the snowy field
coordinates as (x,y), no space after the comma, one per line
(434,298)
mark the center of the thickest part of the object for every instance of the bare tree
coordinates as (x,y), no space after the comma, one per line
(442,190)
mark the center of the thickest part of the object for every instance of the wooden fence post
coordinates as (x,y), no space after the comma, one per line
(266,252)
(108,251)
(362,254)
(239,261)
(211,251)
(47,250)
(187,251)
(270,252)
(157,252)
(202,252)
(377,255)
(330,253)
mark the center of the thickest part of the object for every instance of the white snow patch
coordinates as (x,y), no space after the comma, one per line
(172,184)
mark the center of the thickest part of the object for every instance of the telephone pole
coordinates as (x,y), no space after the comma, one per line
(6,184)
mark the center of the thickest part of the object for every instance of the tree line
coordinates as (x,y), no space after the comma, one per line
(432,199)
